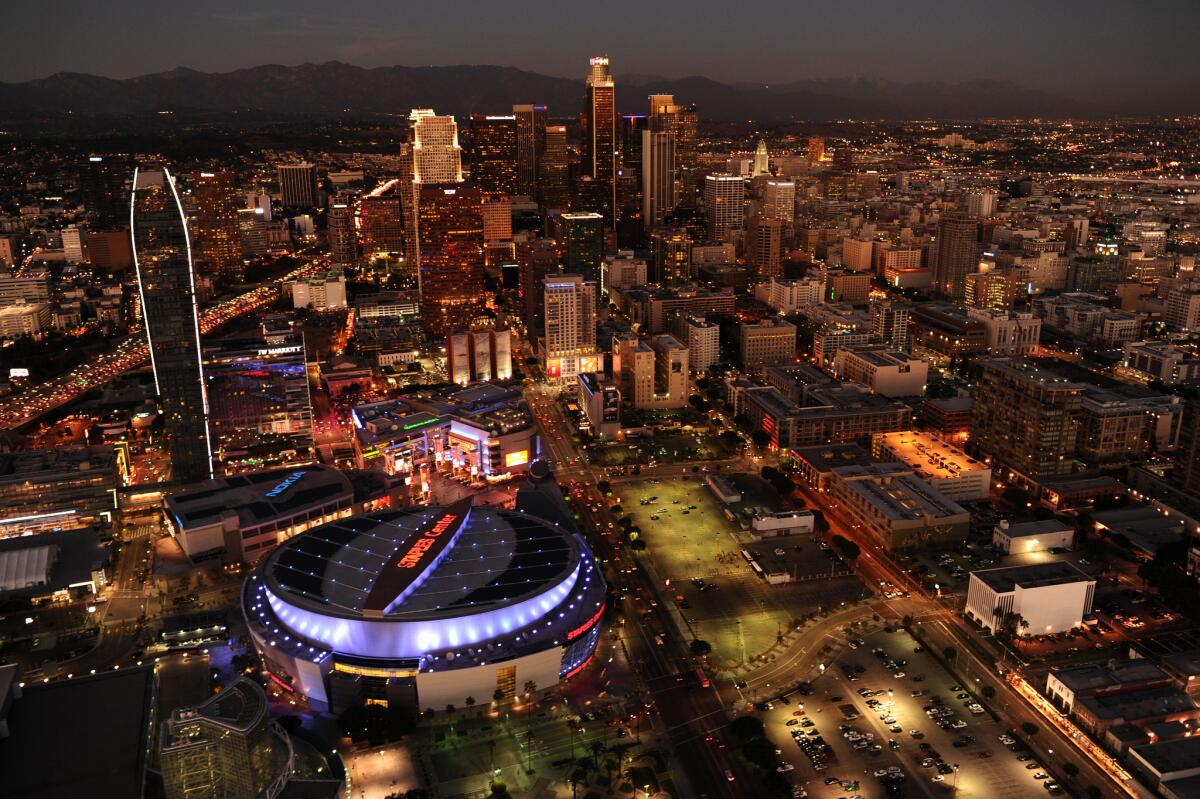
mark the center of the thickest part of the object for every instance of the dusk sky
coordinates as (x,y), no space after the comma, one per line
(1103,49)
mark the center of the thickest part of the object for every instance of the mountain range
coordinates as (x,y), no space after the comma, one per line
(335,88)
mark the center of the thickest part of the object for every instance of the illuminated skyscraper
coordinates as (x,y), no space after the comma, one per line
(218,238)
(437,156)
(816,149)
(762,160)
(381,214)
(658,176)
(536,258)
(684,122)
(779,201)
(569,346)
(343,239)
(492,154)
(260,409)
(598,130)
(957,254)
(451,256)
(167,289)
(531,143)
(552,171)
(724,204)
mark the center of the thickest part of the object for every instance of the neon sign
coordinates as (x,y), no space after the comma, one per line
(410,566)
(285,484)
(422,423)
(587,625)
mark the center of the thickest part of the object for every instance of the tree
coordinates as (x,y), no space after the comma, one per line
(1094,793)
(604,487)
(450,709)
(988,692)
(845,547)
(469,702)
(637,545)
(497,695)
(950,653)
(746,728)
(596,748)
(760,752)
(1071,770)
(1029,728)
(699,647)
(760,438)
(906,622)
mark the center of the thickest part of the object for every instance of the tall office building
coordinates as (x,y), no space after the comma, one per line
(779,201)
(531,143)
(436,154)
(684,121)
(583,244)
(956,254)
(889,323)
(380,213)
(658,176)
(598,131)
(493,152)
(553,181)
(670,256)
(298,185)
(982,203)
(218,237)
(102,190)
(167,290)
(762,160)
(343,238)
(260,409)
(1025,418)
(451,256)
(724,204)
(631,128)
(765,245)
(569,344)
(536,260)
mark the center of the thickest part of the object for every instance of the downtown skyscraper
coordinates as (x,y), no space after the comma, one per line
(218,234)
(167,289)
(531,143)
(598,131)
(957,254)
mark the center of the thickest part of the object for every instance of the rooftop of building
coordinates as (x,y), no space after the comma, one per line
(498,558)
(50,754)
(1034,575)
(928,456)
(1112,674)
(1029,371)
(1132,705)
(880,355)
(898,494)
(39,564)
(1147,528)
(950,404)
(1028,529)
(1166,757)
(24,464)
(826,458)
(259,496)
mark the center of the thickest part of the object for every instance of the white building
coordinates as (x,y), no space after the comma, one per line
(1044,598)
(786,296)
(25,319)
(73,238)
(569,346)
(788,522)
(436,154)
(944,466)
(320,292)
(883,370)
(724,204)
(1014,539)
(703,340)
(622,271)
(1008,333)
(857,254)
(982,203)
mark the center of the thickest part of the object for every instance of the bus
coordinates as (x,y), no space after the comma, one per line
(702,678)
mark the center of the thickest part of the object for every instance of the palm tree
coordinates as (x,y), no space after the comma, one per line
(597,747)
(469,702)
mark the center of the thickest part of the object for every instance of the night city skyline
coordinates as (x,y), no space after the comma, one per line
(605,401)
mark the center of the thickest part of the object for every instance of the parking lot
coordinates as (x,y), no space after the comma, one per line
(878,733)
(693,552)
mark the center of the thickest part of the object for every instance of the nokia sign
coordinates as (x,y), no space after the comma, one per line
(285,484)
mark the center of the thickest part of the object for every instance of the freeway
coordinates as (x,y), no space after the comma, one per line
(132,353)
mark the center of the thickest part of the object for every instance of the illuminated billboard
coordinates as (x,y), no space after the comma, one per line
(416,559)
(516,459)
